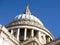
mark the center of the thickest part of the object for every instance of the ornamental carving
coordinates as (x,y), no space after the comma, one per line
(26,23)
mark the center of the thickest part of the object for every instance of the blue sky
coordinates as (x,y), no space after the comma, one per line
(48,11)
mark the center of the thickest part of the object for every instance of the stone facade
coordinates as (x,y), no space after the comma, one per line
(6,38)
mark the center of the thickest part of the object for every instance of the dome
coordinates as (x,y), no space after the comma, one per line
(26,19)
(29,26)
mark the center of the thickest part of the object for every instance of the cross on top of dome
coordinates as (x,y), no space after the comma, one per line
(27,11)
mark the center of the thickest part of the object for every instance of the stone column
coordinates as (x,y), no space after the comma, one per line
(39,36)
(32,33)
(25,33)
(48,39)
(18,33)
(44,39)
(12,32)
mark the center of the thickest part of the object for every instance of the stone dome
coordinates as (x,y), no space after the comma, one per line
(26,19)
(26,26)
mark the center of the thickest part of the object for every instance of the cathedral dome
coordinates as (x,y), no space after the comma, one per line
(26,26)
(26,19)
